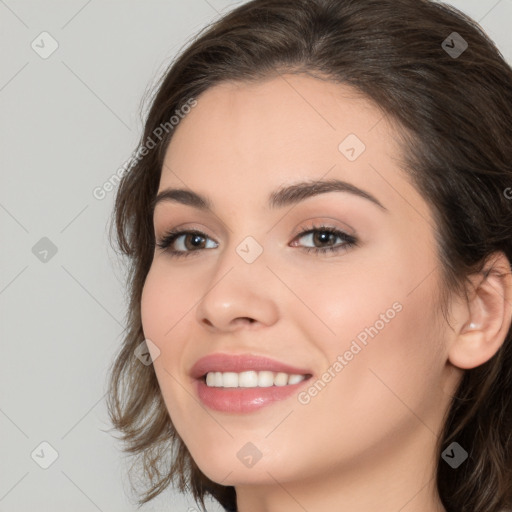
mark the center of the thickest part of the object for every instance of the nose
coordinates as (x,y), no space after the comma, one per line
(238,295)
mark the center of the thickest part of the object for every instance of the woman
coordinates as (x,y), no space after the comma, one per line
(340,338)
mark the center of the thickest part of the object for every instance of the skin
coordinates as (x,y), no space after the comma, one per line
(366,441)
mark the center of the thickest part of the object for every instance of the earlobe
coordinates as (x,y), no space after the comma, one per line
(488,316)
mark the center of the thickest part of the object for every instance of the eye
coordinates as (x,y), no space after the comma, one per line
(326,235)
(195,239)
(187,242)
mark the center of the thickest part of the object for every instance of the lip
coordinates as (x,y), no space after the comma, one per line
(242,400)
(240,363)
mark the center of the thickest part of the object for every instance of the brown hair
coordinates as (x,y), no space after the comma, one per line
(455,119)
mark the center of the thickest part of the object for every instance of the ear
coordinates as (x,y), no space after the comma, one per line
(485,320)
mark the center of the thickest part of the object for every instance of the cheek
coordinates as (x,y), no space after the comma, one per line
(152,306)
(388,384)
(385,329)
(163,315)
(165,301)
(393,362)
(164,307)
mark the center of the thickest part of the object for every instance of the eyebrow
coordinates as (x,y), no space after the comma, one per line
(284,196)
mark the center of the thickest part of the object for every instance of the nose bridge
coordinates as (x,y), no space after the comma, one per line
(244,247)
(239,287)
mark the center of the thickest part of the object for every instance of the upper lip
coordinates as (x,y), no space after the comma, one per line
(237,363)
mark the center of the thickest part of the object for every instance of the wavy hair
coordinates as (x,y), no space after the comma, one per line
(455,119)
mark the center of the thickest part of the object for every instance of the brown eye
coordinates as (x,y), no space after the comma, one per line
(186,242)
(326,236)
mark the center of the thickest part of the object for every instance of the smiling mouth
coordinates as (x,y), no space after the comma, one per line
(252,379)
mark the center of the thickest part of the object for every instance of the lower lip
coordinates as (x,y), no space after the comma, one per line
(241,400)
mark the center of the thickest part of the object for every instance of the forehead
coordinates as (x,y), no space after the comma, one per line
(250,138)
(285,117)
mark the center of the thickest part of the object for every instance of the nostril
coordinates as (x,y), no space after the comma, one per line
(244,319)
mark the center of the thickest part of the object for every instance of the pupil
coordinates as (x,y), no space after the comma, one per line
(196,239)
(323,236)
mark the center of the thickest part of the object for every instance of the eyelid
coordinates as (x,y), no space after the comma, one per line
(325,221)
(349,240)
(317,223)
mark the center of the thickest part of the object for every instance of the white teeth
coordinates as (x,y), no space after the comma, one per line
(265,379)
(295,379)
(281,379)
(230,380)
(251,379)
(247,379)
(210,379)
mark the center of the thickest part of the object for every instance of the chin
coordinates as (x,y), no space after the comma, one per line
(236,467)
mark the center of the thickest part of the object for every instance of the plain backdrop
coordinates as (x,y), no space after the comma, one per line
(68,121)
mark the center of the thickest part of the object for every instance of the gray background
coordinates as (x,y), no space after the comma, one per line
(67,123)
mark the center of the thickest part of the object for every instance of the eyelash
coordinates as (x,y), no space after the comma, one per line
(349,241)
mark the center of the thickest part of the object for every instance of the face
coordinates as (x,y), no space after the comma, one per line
(341,286)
